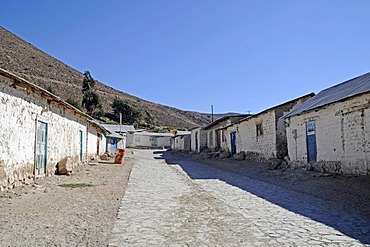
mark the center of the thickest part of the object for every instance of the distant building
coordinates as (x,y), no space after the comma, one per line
(216,138)
(181,141)
(198,139)
(331,131)
(118,136)
(145,139)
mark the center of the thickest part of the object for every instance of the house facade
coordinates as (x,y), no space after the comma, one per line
(38,130)
(216,137)
(331,131)
(145,139)
(198,139)
(117,139)
(262,136)
(181,141)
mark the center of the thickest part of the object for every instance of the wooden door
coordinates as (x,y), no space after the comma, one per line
(41,148)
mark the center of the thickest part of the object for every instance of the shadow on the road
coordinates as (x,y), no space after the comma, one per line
(349,224)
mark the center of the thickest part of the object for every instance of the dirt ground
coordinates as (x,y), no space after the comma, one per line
(46,214)
(350,193)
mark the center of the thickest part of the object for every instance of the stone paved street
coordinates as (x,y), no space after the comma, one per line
(185,203)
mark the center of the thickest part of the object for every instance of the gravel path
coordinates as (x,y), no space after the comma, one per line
(46,214)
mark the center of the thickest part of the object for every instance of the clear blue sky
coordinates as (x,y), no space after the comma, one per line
(239,55)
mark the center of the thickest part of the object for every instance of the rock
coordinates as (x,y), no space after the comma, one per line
(274,163)
(225,155)
(27,181)
(205,156)
(93,163)
(216,154)
(65,166)
(104,157)
(17,184)
(239,156)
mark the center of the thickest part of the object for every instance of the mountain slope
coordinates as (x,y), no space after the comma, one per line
(27,61)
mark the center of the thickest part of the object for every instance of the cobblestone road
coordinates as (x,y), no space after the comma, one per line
(185,203)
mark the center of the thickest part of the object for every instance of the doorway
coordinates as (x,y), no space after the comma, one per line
(233,142)
(41,147)
(311,141)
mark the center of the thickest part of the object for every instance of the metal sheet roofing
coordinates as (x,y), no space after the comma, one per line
(157,134)
(118,128)
(344,90)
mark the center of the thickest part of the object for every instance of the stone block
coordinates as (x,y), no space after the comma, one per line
(274,163)
(225,155)
(65,166)
(104,157)
(239,156)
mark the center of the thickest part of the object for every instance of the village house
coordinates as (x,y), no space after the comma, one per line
(331,131)
(145,139)
(215,131)
(38,130)
(118,137)
(261,136)
(198,139)
(181,141)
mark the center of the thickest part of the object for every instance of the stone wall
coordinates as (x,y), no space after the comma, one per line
(342,137)
(201,135)
(21,108)
(264,144)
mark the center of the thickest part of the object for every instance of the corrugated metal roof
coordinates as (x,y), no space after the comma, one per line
(350,88)
(157,134)
(182,133)
(117,128)
(232,118)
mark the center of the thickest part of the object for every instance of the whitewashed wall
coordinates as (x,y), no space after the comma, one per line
(248,141)
(182,143)
(134,140)
(20,109)
(342,137)
(201,135)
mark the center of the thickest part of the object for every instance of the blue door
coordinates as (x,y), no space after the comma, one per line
(113,145)
(311,141)
(233,142)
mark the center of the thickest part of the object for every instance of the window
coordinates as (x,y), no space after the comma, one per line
(259,131)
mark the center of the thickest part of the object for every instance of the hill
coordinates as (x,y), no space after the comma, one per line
(29,62)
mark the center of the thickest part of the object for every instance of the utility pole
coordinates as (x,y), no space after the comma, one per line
(212,112)
(120,122)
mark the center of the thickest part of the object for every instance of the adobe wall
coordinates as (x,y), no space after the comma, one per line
(342,137)
(20,109)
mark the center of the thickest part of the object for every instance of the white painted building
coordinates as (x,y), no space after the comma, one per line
(38,129)
(331,131)
(181,141)
(117,139)
(262,136)
(198,139)
(216,138)
(145,139)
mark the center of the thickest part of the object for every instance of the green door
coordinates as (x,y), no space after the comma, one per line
(81,144)
(41,147)
(154,141)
